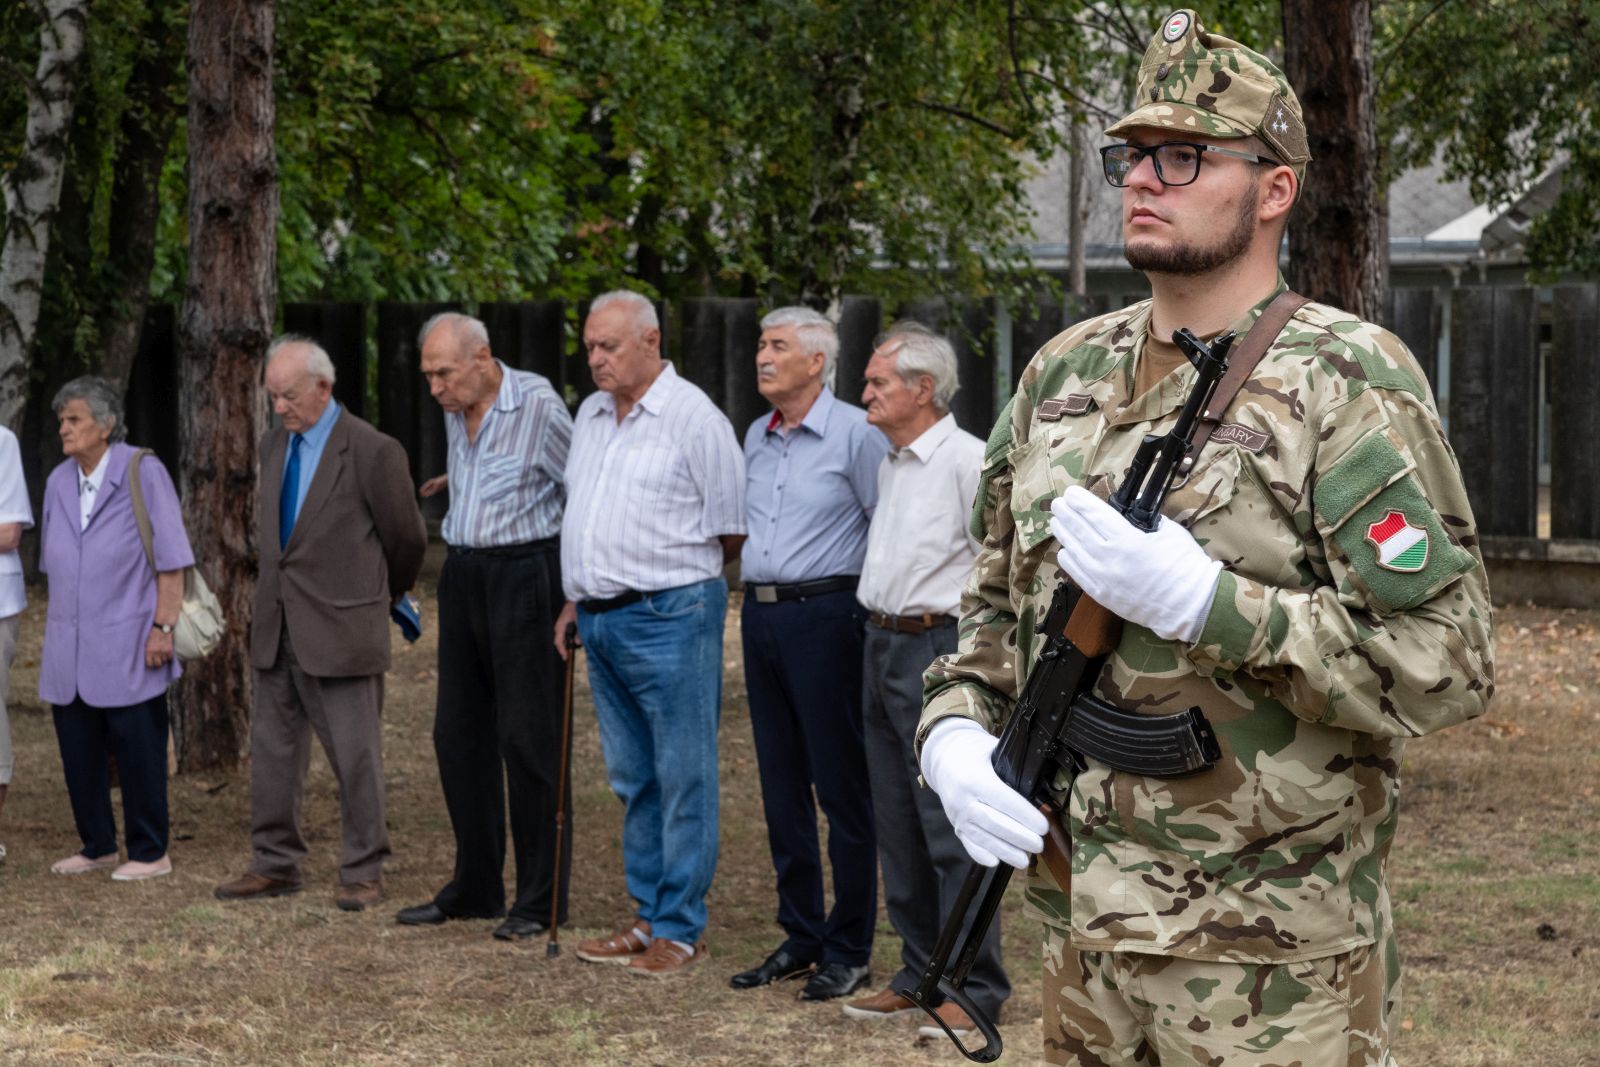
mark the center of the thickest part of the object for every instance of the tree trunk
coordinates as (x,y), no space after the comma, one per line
(226,324)
(1339,231)
(31,191)
(828,227)
(144,135)
(1079,153)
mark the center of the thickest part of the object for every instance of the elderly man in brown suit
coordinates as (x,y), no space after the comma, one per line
(341,540)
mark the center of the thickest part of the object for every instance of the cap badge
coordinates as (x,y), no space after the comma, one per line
(1401,546)
(1177,25)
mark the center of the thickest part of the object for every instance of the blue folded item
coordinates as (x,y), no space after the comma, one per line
(407,615)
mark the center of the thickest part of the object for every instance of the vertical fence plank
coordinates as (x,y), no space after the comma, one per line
(405,409)
(700,345)
(151,405)
(341,330)
(1575,413)
(1046,319)
(1494,370)
(860,321)
(741,333)
(1414,316)
(528,335)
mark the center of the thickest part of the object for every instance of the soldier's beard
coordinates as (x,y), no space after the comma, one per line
(1189,259)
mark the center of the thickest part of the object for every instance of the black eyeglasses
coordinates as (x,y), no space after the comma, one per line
(1176,162)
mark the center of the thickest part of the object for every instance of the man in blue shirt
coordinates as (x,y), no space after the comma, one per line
(811,488)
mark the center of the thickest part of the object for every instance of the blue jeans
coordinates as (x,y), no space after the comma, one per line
(655,668)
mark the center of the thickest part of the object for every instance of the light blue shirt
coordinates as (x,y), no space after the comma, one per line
(810,493)
(312,442)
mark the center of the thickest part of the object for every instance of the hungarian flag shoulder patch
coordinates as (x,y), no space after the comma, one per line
(1401,546)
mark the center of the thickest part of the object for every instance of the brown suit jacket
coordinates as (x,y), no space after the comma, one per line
(357,544)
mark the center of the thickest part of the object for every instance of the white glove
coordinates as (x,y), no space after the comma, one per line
(1162,580)
(993,822)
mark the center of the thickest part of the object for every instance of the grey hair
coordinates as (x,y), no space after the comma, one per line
(468,332)
(318,363)
(103,400)
(814,332)
(921,351)
(644,312)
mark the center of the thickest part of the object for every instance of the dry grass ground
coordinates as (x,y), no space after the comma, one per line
(1495,874)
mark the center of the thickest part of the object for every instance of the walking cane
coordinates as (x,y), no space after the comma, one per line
(571,640)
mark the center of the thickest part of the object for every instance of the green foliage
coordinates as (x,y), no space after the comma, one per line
(1506,89)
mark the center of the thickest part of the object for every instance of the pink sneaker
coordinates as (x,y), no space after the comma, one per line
(78,863)
(134,871)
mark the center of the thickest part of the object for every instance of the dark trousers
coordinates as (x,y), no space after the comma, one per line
(136,737)
(924,864)
(497,729)
(802,663)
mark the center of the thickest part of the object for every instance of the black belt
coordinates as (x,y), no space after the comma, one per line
(771,593)
(910,624)
(532,548)
(611,603)
(1157,746)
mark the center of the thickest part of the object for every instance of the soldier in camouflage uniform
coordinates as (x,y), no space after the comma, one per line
(1316,590)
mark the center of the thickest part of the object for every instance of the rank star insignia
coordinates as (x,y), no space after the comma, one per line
(1280,125)
(1401,546)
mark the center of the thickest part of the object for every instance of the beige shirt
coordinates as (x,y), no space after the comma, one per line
(919,552)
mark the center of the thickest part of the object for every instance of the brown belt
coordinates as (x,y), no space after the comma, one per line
(910,624)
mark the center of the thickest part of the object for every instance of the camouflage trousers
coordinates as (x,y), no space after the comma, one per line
(1121,1009)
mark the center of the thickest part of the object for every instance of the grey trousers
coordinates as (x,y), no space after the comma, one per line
(923,863)
(347,716)
(8,651)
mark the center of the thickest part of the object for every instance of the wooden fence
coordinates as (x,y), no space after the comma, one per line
(1520,379)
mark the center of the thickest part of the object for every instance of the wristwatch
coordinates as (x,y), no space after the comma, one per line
(165,628)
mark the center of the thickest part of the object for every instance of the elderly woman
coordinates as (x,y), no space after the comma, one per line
(108,655)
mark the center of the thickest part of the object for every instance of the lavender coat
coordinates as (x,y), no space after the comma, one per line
(102,593)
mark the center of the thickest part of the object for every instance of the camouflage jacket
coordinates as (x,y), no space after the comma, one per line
(1336,632)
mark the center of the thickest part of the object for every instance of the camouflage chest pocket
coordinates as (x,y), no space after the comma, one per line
(1209,487)
(1371,504)
(1033,488)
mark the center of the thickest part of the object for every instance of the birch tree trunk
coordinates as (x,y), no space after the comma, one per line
(226,324)
(32,190)
(1339,231)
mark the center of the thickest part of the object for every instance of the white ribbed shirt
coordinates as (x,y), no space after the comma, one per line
(647,499)
(505,485)
(919,552)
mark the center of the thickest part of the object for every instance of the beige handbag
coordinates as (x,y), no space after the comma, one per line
(200,625)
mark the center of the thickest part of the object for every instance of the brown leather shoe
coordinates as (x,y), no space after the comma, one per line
(959,1022)
(620,948)
(665,958)
(253,886)
(358,896)
(884,1005)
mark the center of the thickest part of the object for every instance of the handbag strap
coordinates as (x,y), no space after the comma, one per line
(140,515)
(1241,364)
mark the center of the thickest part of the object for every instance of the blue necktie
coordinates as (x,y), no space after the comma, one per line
(289,496)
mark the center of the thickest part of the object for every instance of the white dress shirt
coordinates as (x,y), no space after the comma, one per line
(919,552)
(89,489)
(647,499)
(14,507)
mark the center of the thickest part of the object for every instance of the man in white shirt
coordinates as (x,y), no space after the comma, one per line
(16,515)
(919,554)
(655,509)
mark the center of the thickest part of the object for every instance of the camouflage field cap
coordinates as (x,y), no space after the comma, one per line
(1206,84)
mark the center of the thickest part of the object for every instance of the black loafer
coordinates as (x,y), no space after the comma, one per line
(429,914)
(834,980)
(516,928)
(775,968)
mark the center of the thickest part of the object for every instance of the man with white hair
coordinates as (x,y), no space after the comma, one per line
(341,540)
(655,489)
(497,721)
(919,553)
(812,486)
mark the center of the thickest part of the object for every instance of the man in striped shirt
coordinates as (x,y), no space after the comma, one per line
(499,698)
(655,488)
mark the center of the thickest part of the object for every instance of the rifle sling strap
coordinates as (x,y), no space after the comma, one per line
(1241,364)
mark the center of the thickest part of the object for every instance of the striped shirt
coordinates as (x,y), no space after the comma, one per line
(505,487)
(648,499)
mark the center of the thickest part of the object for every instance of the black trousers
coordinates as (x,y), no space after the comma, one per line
(802,663)
(497,729)
(136,736)
(924,863)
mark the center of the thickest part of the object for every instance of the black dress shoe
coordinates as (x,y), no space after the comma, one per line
(516,928)
(775,968)
(834,980)
(429,914)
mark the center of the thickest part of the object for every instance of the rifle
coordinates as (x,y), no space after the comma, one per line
(1057,720)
